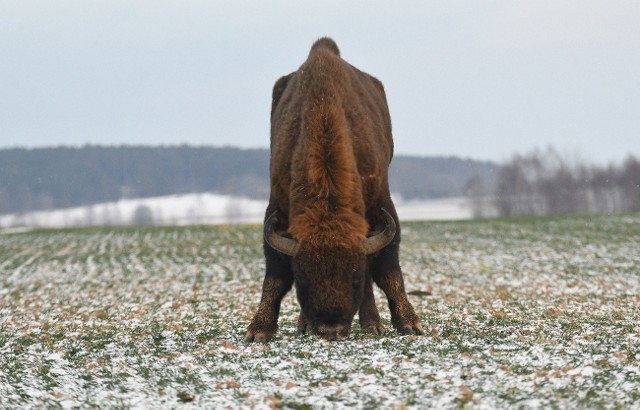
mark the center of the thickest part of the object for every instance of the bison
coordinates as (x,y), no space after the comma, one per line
(330,226)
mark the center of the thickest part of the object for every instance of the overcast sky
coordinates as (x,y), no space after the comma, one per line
(478,79)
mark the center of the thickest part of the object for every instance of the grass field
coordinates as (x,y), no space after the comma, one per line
(519,313)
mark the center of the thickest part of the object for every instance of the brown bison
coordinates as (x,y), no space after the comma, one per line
(330,226)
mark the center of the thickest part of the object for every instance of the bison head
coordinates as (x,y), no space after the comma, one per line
(329,279)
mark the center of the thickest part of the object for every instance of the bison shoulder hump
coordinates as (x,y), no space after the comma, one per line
(326,43)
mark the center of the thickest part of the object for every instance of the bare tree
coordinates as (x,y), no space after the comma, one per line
(517,191)
(479,198)
(142,216)
(89,216)
(630,184)
(543,182)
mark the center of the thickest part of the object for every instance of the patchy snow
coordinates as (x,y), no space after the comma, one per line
(540,313)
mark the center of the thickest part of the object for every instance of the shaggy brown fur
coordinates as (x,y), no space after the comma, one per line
(331,146)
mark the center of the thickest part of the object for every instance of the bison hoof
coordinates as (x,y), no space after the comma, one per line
(373,328)
(303,326)
(261,337)
(415,329)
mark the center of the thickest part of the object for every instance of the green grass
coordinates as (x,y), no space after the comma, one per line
(532,312)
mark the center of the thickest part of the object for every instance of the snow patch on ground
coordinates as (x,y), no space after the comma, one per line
(518,314)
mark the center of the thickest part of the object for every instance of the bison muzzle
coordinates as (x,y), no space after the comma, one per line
(331,227)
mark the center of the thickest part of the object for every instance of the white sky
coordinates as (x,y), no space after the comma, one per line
(479,79)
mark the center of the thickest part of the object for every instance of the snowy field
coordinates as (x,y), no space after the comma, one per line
(204,208)
(533,313)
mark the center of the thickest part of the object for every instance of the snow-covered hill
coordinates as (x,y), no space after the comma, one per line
(203,208)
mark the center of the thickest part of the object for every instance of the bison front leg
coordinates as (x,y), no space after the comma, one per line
(388,276)
(277,282)
(369,316)
(303,325)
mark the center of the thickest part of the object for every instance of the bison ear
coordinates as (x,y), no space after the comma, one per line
(278,90)
(278,242)
(378,241)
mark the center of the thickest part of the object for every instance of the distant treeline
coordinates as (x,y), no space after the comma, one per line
(545,183)
(52,178)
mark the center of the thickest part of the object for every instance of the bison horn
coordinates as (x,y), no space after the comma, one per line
(290,246)
(378,241)
(278,242)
